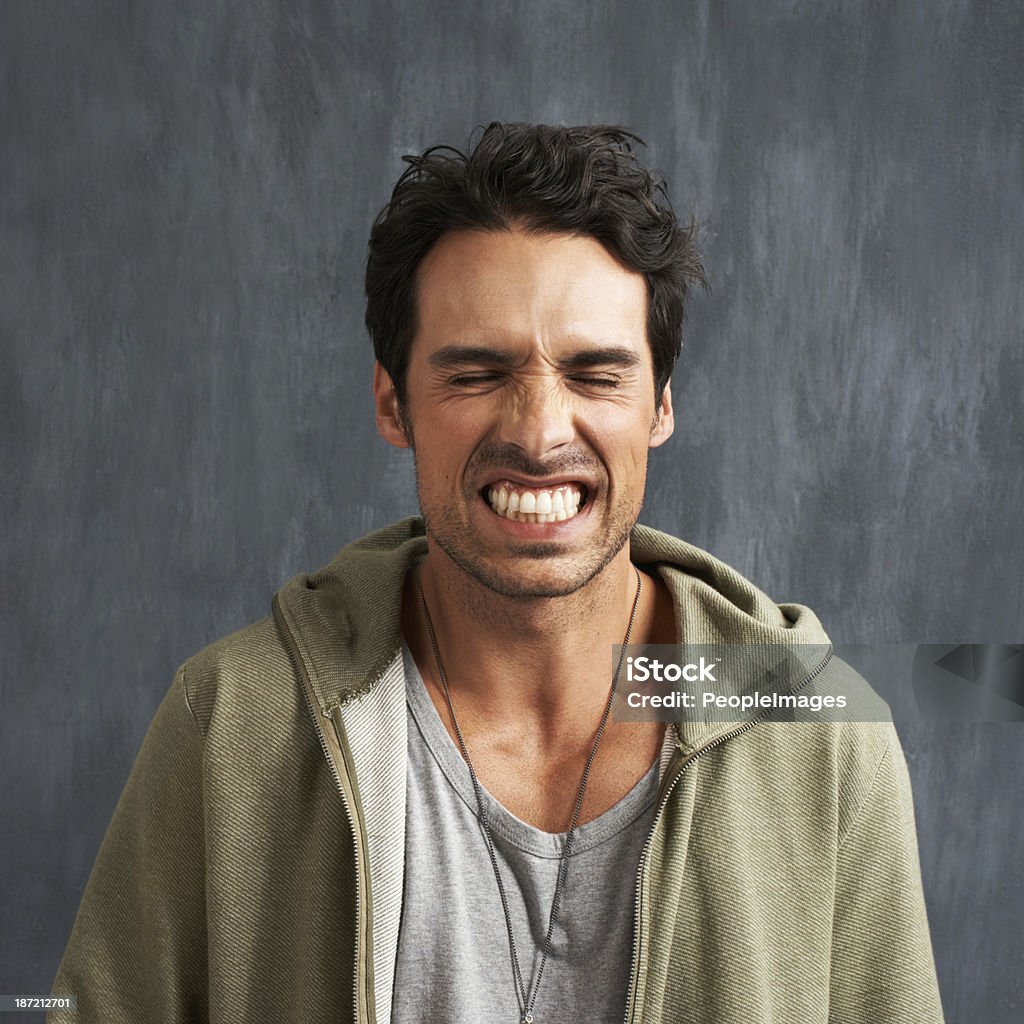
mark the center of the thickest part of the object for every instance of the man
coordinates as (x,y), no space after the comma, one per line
(402,794)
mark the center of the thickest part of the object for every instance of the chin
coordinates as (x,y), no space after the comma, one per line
(533,569)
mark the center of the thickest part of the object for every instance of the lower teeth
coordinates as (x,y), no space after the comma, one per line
(535,517)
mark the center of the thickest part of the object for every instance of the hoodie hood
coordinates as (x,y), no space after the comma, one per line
(345,618)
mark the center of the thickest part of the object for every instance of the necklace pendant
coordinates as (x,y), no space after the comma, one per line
(527,1018)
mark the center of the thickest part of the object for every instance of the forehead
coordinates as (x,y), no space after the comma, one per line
(517,285)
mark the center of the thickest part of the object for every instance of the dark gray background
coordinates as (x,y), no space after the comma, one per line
(184,388)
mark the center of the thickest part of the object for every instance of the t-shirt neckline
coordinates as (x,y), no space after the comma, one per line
(504,824)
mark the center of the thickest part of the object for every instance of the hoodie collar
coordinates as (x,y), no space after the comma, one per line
(345,618)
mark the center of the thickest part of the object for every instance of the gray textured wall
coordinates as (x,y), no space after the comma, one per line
(184,387)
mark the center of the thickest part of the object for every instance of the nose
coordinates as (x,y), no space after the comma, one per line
(538,419)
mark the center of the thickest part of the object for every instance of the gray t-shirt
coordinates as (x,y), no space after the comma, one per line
(453,951)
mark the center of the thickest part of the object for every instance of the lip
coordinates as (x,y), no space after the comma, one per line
(536,483)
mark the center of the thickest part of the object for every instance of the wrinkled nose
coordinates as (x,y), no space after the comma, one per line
(537,420)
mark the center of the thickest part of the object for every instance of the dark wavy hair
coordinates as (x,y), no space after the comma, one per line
(539,178)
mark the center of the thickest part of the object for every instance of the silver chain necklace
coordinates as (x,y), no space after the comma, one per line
(528,999)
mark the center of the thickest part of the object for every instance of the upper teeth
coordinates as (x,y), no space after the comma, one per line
(535,505)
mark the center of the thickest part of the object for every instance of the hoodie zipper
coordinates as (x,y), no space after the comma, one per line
(634,974)
(315,713)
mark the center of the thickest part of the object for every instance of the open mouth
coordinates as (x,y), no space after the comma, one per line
(535,504)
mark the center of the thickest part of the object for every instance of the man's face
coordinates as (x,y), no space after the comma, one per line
(530,407)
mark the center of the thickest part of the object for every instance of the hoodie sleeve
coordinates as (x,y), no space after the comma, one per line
(882,966)
(137,951)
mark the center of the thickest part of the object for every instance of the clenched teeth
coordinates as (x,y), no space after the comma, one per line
(535,505)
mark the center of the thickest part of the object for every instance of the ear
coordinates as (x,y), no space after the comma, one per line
(664,419)
(389,416)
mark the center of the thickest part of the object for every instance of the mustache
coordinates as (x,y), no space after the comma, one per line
(499,457)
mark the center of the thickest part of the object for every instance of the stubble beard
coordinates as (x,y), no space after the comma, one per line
(450,533)
(447,529)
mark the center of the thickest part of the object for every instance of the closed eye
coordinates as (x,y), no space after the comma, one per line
(601,382)
(469,379)
(585,380)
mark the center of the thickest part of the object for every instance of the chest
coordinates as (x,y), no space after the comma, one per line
(452,908)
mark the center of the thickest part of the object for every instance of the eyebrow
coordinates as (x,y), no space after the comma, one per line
(606,355)
(458,355)
(609,355)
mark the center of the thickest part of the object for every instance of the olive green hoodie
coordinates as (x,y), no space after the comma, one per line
(253,867)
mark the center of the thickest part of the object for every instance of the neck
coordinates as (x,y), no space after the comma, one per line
(543,661)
